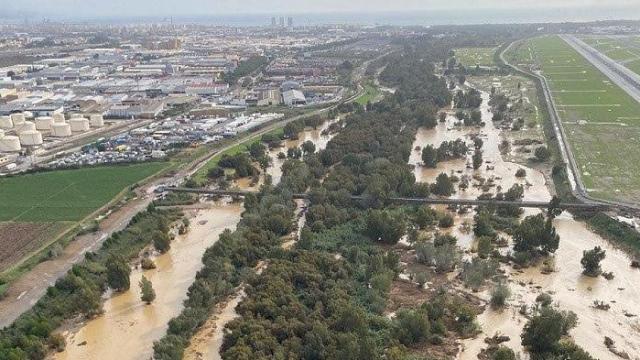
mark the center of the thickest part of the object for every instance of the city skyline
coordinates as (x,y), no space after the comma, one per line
(70,9)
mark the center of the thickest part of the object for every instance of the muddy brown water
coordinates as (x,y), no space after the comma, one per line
(570,289)
(206,343)
(128,327)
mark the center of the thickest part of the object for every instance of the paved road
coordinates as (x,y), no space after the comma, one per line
(618,74)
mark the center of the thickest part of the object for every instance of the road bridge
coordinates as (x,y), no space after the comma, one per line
(411,200)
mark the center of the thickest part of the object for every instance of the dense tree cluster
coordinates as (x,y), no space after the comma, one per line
(470,99)
(535,234)
(448,150)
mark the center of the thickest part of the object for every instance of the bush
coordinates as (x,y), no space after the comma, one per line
(503,353)
(520,173)
(542,153)
(591,261)
(411,327)
(446,221)
(499,296)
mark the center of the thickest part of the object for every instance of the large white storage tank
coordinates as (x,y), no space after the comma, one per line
(61,129)
(10,144)
(96,120)
(18,119)
(58,118)
(30,138)
(26,126)
(79,124)
(44,123)
(6,122)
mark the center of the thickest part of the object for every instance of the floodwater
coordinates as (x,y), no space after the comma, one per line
(500,172)
(319,139)
(128,327)
(206,343)
(569,288)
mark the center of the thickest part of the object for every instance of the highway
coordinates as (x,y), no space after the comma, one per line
(626,79)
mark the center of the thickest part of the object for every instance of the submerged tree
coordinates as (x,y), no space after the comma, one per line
(146,291)
(536,234)
(591,261)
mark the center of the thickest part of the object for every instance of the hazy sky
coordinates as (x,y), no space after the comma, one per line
(91,8)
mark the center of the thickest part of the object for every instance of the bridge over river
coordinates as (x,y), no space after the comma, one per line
(409,200)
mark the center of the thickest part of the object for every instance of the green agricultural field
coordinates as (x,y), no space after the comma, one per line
(67,195)
(470,57)
(602,122)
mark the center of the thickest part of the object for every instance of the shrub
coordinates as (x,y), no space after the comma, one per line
(499,296)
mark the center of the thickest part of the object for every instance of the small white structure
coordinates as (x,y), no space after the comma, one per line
(79,124)
(18,119)
(10,144)
(58,118)
(30,138)
(44,123)
(61,130)
(96,120)
(6,122)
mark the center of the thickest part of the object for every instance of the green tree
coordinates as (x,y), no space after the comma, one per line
(308,147)
(499,295)
(503,353)
(543,332)
(542,153)
(430,156)
(443,186)
(591,261)
(385,226)
(477,159)
(534,233)
(161,241)
(118,272)
(257,150)
(411,326)
(146,291)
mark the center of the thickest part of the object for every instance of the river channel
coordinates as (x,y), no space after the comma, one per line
(569,288)
(128,327)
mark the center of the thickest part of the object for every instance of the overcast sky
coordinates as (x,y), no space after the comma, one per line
(105,8)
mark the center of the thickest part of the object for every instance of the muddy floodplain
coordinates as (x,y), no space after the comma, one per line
(570,289)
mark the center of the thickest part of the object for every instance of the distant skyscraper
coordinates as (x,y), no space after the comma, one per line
(290,21)
(273,21)
(282,21)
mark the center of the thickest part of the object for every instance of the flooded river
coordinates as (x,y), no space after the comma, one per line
(569,288)
(128,327)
